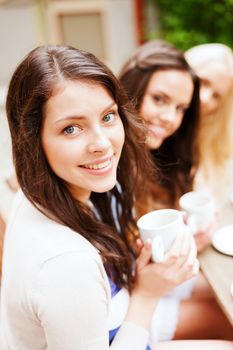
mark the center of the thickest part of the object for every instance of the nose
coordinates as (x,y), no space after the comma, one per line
(208,103)
(205,95)
(99,141)
(169,115)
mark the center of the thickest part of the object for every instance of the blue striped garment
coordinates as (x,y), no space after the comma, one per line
(112,332)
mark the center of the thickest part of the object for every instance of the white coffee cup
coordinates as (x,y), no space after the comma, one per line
(200,207)
(161,226)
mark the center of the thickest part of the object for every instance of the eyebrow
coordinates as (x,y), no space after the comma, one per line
(186,104)
(73,117)
(160,92)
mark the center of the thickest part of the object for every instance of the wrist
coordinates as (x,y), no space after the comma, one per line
(141,309)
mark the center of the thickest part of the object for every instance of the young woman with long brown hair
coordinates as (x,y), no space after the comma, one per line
(165,92)
(69,244)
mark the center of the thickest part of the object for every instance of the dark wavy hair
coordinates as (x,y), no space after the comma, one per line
(177,158)
(31,86)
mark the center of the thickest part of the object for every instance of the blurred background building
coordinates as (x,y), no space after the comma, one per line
(107,28)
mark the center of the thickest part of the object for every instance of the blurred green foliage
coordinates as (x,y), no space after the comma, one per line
(186,23)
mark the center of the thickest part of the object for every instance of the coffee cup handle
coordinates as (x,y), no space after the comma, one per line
(157,250)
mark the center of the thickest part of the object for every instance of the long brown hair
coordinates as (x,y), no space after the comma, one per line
(177,157)
(30,88)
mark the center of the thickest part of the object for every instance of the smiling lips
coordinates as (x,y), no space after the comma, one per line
(99,167)
(157,131)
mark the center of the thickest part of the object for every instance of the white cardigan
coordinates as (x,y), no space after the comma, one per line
(55,291)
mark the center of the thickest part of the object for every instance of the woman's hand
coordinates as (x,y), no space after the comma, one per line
(154,280)
(203,238)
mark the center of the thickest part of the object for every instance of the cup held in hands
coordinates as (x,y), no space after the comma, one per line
(200,207)
(161,226)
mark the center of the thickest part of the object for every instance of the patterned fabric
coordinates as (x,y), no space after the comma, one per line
(114,290)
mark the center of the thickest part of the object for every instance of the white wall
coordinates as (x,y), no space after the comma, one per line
(121,28)
(19,33)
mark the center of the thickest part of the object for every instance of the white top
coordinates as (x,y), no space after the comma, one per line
(55,291)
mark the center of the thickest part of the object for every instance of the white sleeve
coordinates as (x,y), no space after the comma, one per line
(71,299)
(164,320)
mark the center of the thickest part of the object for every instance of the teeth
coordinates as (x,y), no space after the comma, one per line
(97,166)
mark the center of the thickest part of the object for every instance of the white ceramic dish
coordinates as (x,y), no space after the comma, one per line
(223,240)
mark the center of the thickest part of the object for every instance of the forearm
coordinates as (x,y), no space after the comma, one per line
(130,336)
(141,310)
(134,332)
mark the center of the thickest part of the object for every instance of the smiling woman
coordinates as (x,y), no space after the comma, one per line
(166,99)
(166,94)
(213,63)
(94,129)
(68,119)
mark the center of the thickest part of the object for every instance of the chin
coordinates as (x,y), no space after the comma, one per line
(154,144)
(208,112)
(105,188)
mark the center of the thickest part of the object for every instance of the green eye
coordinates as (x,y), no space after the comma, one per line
(69,130)
(108,117)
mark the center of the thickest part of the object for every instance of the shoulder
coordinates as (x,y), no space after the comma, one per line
(32,240)
(28,223)
(49,256)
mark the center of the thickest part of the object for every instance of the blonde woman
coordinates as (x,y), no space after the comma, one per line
(213,63)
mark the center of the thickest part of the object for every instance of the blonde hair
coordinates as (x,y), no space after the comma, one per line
(203,54)
(215,135)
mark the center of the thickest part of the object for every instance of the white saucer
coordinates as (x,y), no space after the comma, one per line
(223,240)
